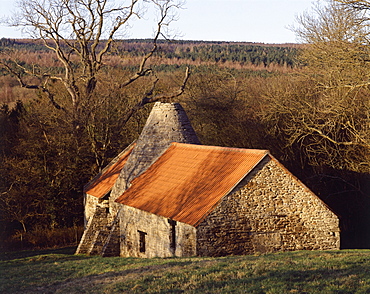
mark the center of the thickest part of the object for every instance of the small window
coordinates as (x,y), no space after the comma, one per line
(142,241)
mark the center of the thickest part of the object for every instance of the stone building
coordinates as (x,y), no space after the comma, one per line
(167,195)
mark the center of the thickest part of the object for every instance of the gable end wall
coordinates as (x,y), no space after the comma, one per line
(268,211)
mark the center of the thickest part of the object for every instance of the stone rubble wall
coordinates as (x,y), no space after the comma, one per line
(90,203)
(99,216)
(111,245)
(158,235)
(268,211)
(92,239)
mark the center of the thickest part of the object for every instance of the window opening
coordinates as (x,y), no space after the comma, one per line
(142,246)
(105,197)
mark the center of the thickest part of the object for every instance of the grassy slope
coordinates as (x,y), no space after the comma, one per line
(293,272)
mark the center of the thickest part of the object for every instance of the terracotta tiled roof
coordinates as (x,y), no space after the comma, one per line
(187,180)
(104,182)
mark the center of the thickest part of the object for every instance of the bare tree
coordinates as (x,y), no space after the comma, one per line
(337,45)
(325,110)
(81,33)
(81,116)
(355,4)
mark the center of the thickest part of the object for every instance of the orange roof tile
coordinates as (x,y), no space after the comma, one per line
(187,180)
(104,182)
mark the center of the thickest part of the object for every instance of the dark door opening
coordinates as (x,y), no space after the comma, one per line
(142,245)
(172,235)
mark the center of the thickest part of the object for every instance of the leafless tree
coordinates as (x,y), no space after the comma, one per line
(325,111)
(81,33)
(355,4)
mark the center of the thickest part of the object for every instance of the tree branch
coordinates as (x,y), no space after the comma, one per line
(150,98)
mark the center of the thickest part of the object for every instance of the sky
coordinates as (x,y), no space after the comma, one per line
(265,21)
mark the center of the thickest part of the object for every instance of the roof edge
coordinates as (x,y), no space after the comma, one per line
(112,162)
(303,185)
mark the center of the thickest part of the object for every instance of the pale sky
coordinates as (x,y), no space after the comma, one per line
(265,21)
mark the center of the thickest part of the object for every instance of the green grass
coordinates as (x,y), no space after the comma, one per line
(59,271)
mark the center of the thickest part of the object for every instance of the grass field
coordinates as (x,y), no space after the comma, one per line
(59,271)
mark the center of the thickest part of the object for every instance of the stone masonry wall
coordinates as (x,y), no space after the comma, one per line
(91,238)
(268,211)
(90,203)
(157,231)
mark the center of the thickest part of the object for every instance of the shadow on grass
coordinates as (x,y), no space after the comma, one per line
(290,281)
(302,272)
(148,278)
(29,253)
(95,283)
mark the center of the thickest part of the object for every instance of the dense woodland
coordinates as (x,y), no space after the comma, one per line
(307,104)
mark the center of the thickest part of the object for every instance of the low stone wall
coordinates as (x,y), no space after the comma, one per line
(268,211)
(157,235)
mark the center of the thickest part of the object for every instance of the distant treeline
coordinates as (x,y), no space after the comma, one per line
(257,54)
(219,52)
(26,44)
(244,54)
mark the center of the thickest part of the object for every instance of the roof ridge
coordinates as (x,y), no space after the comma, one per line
(262,151)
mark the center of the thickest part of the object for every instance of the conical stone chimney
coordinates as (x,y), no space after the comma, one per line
(166,123)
